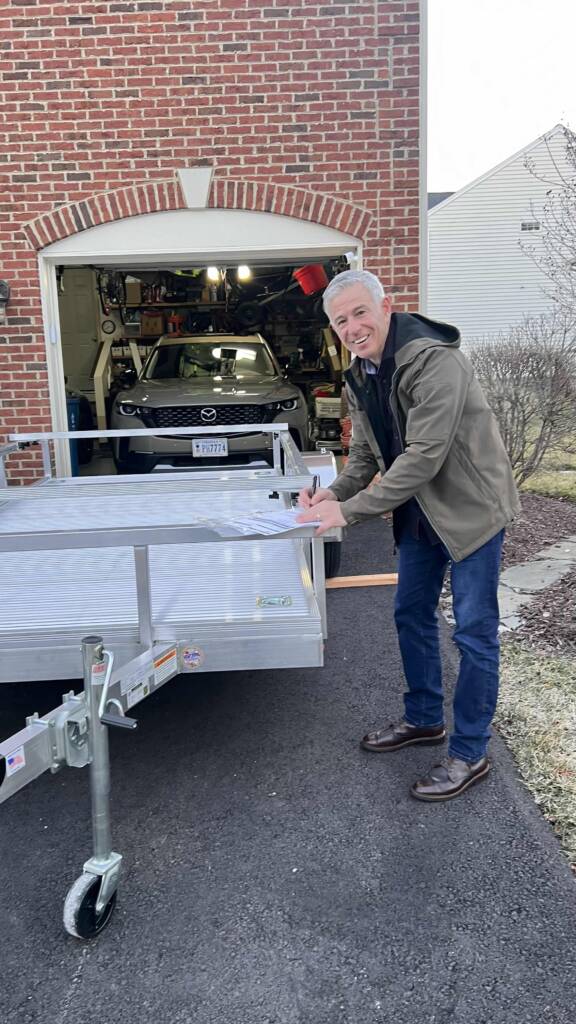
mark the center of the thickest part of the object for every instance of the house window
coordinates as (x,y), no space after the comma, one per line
(530,225)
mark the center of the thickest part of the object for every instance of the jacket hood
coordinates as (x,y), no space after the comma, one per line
(414,333)
(415,327)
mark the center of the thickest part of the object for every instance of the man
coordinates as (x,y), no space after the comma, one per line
(420,418)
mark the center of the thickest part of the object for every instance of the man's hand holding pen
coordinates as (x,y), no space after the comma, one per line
(309,496)
(322,506)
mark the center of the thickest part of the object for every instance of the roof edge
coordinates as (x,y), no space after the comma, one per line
(497,167)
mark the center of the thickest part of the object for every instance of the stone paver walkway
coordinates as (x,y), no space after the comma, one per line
(520,583)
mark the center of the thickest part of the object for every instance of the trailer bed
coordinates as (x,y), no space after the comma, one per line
(69,566)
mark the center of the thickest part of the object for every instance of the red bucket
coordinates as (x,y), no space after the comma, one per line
(311,278)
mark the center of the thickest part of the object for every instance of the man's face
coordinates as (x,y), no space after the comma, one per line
(361,322)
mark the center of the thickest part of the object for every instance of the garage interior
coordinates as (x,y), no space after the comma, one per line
(111,317)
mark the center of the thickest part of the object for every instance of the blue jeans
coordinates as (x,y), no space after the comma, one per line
(421,571)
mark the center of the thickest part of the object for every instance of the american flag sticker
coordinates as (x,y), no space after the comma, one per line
(15,761)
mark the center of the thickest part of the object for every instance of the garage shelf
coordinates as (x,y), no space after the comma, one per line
(176,304)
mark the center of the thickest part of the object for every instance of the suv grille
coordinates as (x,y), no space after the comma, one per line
(189,415)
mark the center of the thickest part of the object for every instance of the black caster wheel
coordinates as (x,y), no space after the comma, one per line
(80,917)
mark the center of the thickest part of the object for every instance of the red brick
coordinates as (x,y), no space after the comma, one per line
(330,90)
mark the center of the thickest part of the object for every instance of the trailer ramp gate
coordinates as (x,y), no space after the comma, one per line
(125,581)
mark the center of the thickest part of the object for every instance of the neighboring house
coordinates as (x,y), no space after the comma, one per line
(480,277)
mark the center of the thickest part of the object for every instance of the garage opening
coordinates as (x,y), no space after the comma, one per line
(202,345)
(215,339)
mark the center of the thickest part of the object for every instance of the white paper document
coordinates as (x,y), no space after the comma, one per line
(264,523)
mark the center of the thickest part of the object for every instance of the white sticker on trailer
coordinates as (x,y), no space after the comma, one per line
(165,666)
(139,677)
(15,761)
(98,671)
(136,694)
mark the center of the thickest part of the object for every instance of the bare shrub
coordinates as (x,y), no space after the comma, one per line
(555,253)
(529,377)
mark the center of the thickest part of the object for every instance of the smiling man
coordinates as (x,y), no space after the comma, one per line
(420,418)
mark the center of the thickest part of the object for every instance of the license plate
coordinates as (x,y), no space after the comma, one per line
(210,448)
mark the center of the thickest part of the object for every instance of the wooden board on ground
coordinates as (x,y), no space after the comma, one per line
(385,579)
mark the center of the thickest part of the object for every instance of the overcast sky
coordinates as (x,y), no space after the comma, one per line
(500,73)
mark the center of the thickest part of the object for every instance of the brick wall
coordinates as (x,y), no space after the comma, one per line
(106,97)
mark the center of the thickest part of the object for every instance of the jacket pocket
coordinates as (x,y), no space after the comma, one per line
(472,473)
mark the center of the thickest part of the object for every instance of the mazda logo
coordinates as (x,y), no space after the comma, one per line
(208,415)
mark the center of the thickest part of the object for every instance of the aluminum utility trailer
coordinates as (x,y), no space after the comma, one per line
(137,560)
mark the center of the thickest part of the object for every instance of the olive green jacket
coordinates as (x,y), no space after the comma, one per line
(453,463)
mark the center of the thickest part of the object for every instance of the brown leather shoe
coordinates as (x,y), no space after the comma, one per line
(402,734)
(450,778)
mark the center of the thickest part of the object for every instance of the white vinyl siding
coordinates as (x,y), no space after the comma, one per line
(479,277)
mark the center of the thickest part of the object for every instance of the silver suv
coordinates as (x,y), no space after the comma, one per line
(212,380)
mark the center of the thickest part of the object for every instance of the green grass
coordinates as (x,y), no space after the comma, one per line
(537,706)
(537,716)
(552,485)
(556,478)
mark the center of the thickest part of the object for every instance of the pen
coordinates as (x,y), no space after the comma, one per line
(312,490)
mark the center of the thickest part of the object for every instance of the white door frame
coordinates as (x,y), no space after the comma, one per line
(330,243)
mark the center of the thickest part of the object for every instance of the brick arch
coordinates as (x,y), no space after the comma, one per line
(225,193)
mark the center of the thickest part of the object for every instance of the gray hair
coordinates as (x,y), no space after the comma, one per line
(347,279)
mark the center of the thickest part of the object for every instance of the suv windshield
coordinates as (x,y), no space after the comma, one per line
(216,359)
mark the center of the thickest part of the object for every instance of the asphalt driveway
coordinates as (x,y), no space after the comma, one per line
(276,874)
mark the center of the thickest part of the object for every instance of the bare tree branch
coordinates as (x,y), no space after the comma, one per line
(529,377)
(555,252)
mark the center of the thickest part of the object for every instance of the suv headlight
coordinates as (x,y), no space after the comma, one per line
(289,404)
(128,409)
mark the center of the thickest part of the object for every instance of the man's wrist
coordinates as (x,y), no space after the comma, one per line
(348,516)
